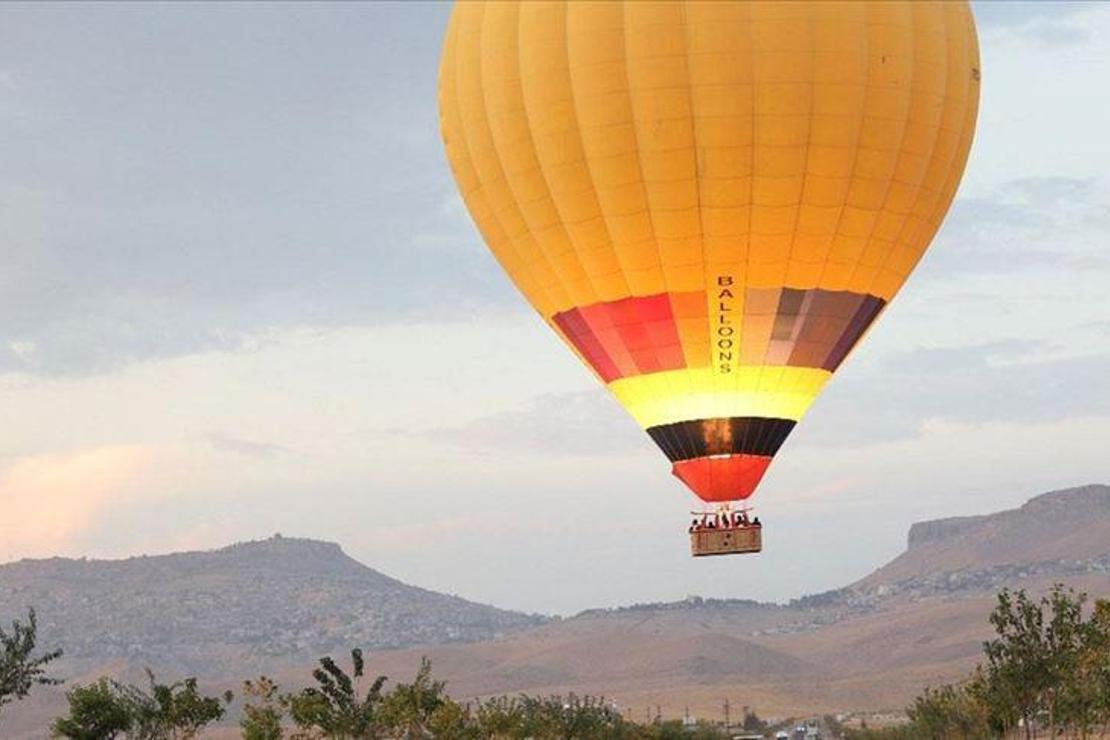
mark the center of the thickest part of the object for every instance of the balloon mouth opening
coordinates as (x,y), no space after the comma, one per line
(717,478)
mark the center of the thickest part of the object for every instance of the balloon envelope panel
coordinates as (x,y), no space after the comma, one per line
(710,202)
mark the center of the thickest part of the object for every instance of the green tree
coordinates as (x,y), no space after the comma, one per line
(1085,698)
(452,722)
(336,707)
(20,670)
(1017,660)
(1048,665)
(572,717)
(1033,663)
(950,713)
(409,708)
(175,711)
(499,718)
(554,718)
(263,712)
(96,712)
(1098,663)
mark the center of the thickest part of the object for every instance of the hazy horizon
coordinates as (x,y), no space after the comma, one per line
(242,296)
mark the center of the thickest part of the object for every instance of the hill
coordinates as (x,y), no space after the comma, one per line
(1064,529)
(239,607)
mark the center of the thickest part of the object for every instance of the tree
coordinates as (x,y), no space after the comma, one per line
(556,718)
(409,708)
(336,707)
(571,718)
(107,708)
(452,722)
(1048,665)
(96,712)
(1033,664)
(262,716)
(1097,664)
(1017,660)
(1085,698)
(20,671)
(175,711)
(499,718)
(955,712)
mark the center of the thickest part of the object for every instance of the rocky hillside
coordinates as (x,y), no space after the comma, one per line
(1063,534)
(1058,536)
(281,598)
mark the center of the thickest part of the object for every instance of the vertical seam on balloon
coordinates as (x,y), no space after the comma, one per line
(468,133)
(560,224)
(686,46)
(901,145)
(851,179)
(733,386)
(921,234)
(464,146)
(955,171)
(971,105)
(540,244)
(543,172)
(805,170)
(687,30)
(929,160)
(809,145)
(866,39)
(667,379)
(971,111)
(582,146)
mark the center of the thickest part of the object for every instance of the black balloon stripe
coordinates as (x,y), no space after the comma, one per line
(737,435)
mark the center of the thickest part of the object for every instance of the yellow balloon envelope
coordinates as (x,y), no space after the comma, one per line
(710,202)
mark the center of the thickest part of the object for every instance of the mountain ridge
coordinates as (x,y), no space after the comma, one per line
(916,620)
(248,602)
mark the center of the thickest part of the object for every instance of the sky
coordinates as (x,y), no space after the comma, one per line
(239,295)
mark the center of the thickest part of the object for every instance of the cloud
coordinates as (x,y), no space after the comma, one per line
(245,447)
(1051,24)
(1029,224)
(582,423)
(1018,381)
(48,501)
(158,205)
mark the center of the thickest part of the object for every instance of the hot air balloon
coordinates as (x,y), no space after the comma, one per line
(710,202)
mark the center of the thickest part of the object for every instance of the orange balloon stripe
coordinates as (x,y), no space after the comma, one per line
(729,478)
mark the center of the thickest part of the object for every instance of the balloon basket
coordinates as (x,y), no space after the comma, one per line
(722,534)
(735,541)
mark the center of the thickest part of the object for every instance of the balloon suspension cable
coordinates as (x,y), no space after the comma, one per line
(724,507)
